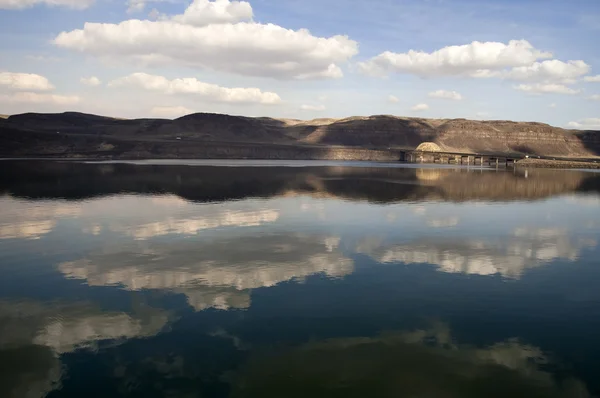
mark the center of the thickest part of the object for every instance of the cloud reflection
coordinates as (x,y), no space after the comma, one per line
(508,256)
(33,335)
(209,273)
(194,225)
(32,220)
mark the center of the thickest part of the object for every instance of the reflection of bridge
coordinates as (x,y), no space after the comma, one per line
(417,156)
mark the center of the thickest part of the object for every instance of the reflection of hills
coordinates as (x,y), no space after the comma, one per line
(509,256)
(423,363)
(210,274)
(205,183)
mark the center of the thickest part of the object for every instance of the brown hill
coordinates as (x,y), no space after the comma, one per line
(74,133)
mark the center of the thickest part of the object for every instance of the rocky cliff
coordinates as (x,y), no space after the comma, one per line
(203,135)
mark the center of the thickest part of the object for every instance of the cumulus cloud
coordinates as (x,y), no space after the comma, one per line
(586,124)
(443,94)
(37,98)
(550,70)
(594,79)
(595,97)
(205,12)
(393,99)
(90,81)
(518,60)
(196,87)
(25,81)
(456,60)
(317,108)
(138,5)
(20,4)
(552,105)
(170,111)
(216,35)
(546,88)
(419,107)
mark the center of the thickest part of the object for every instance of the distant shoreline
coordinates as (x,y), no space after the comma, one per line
(528,163)
(220,136)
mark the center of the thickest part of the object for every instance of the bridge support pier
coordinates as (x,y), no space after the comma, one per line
(456,158)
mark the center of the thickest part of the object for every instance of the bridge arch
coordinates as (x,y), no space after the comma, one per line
(429,147)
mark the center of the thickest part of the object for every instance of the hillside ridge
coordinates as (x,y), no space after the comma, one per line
(72,133)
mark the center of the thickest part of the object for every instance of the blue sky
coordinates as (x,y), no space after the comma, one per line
(534,60)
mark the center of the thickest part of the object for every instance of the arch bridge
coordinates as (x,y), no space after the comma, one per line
(441,157)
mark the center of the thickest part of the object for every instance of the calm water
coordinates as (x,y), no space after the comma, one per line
(327,280)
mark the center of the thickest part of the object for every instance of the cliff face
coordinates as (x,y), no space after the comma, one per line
(507,136)
(213,135)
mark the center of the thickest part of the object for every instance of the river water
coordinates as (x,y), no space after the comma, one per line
(297,279)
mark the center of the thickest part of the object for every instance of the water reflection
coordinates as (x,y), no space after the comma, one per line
(211,274)
(125,280)
(33,336)
(421,363)
(23,221)
(29,372)
(204,183)
(508,255)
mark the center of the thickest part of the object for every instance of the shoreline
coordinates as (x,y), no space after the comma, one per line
(530,163)
(558,164)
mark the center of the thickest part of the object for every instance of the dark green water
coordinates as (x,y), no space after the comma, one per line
(266,279)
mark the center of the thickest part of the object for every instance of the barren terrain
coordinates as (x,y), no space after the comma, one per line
(205,135)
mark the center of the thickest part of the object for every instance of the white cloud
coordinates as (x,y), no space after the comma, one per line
(546,88)
(37,98)
(549,71)
(595,97)
(450,95)
(20,4)
(194,86)
(552,105)
(456,60)
(594,79)
(590,123)
(206,40)
(154,14)
(25,81)
(136,5)
(322,98)
(92,81)
(317,108)
(170,111)
(204,12)
(419,107)
(482,114)
(392,99)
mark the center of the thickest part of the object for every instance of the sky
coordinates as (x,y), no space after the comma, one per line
(523,60)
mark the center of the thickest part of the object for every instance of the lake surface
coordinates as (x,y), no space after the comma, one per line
(298,279)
